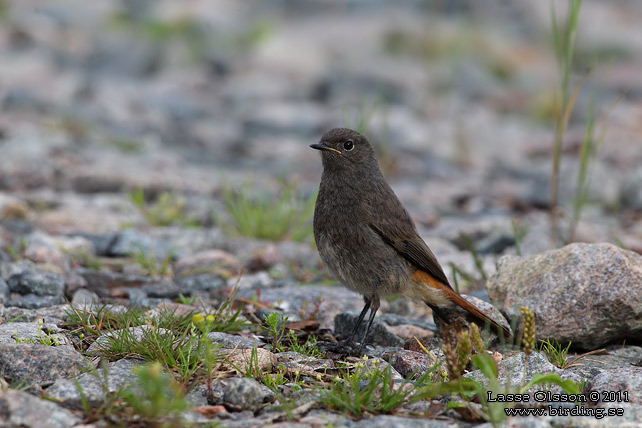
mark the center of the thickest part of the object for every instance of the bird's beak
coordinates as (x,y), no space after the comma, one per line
(321,146)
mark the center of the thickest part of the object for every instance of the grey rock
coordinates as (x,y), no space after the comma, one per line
(297,253)
(292,299)
(283,118)
(161,288)
(410,362)
(101,282)
(522,422)
(293,360)
(73,283)
(587,294)
(33,301)
(7,270)
(631,418)
(191,243)
(31,332)
(613,358)
(623,379)
(119,374)
(200,282)
(18,227)
(4,291)
(84,297)
(253,281)
(38,365)
(487,234)
(386,421)
(121,55)
(129,241)
(104,284)
(495,243)
(257,254)
(231,341)
(395,320)
(533,182)
(23,99)
(243,392)
(631,191)
(378,335)
(102,243)
(319,417)
(307,395)
(176,107)
(205,271)
(511,370)
(198,396)
(56,251)
(50,315)
(38,282)
(20,409)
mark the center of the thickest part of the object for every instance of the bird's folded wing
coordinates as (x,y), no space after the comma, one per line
(410,246)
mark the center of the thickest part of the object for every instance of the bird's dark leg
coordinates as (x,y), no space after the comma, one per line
(437,313)
(374,303)
(359,320)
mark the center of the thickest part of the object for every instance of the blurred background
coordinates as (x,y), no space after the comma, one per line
(168,113)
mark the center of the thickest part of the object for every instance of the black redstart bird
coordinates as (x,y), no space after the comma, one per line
(366,237)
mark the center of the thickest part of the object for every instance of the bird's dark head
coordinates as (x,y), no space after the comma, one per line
(343,147)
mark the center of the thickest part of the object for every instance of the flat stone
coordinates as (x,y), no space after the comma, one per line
(612,358)
(610,382)
(386,421)
(232,341)
(120,374)
(110,284)
(34,301)
(32,332)
(38,282)
(55,315)
(38,365)
(129,241)
(20,409)
(205,271)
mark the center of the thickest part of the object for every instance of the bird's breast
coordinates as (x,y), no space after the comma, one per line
(360,260)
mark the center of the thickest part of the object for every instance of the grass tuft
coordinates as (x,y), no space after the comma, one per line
(150,264)
(167,210)
(369,389)
(284,216)
(563,43)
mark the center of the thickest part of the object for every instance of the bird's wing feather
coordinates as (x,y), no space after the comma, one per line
(410,246)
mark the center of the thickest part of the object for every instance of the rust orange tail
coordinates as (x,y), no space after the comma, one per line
(455,298)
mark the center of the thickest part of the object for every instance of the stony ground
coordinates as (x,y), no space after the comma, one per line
(141,140)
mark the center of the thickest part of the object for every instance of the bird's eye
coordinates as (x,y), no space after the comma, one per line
(348,145)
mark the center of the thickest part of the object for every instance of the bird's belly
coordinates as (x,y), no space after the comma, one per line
(369,271)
